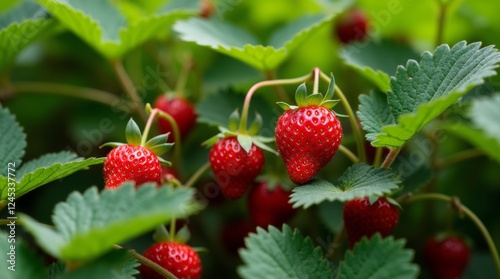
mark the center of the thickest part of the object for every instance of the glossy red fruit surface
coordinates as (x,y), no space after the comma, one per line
(181,110)
(269,207)
(180,259)
(446,257)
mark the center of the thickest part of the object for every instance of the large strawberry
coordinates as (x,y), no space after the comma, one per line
(136,160)
(308,135)
(180,259)
(235,169)
(365,218)
(447,256)
(181,110)
(268,205)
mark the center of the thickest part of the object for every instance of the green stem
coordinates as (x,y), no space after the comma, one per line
(339,238)
(443,7)
(196,176)
(349,154)
(352,118)
(459,157)
(171,233)
(378,157)
(316,74)
(148,124)
(255,87)
(183,77)
(271,75)
(462,208)
(393,153)
(85,93)
(143,260)
(128,86)
(177,136)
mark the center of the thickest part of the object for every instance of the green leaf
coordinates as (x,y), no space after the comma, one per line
(378,258)
(45,169)
(161,149)
(375,60)
(234,120)
(239,44)
(374,113)
(301,95)
(331,89)
(101,25)
(358,181)
(88,225)
(133,133)
(157,140)
(422,91)
(25,264)
(285,254)
(12,141)
(117,264)
(245,141)
(330,214)
(476,137)
(22,25)
(485,114)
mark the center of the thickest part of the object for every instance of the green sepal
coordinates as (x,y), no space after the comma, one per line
(260,142)
(341,115)
(161,149)
(314,99)
(111,144)
(234,120)
(373,199)
(329,103)
(331,88)
(183,235)
(161,234)
(394,202)
(160,139)
(300,95)
(256,125)
(164,162)
(245,141)
(286,106)
(213,140)
(133,133)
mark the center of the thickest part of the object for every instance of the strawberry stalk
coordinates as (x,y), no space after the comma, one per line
(183,76)
(192,180)
(455,202)
(352,118)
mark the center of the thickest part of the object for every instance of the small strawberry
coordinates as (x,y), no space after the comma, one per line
(447,256)
(308,135)
(181,110)
(269,206)
(235,169)
(180,259)
(207,8)
(135,161)
(352,26)
(365,218)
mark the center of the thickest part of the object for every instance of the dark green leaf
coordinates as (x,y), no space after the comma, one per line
(12,142)
(485,113)
(117,264)
(374,113)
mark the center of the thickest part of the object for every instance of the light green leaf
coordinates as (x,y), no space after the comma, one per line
(358,181)
(378,258)
(330,214)
(422,91)
(25,264)
(239,44)
(100,24)
(245,141)
(375,60)
(12,142)
(485,114)
(285,254)
(82,231)
(117,264)
(476,137)
(20,26)
(374,113)
(48,168)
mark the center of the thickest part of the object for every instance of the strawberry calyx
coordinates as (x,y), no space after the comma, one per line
(245,137)
(157,145)
(315,99)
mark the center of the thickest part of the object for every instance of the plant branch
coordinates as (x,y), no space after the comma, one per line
(339,238)
(196,176)
(443,7)
(149,263)
(352,118)
(128,86)
(271,75)
(389,159)
(183,76)
(467,212)
(349,154)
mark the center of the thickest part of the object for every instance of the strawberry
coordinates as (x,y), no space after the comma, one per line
(308,135)
(180,259)
(269,206)
(235,169)
(181,110)
(135,161)
(363,218)
(447,256)
(352,26)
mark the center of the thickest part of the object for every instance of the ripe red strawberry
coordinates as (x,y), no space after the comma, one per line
(181,110)
(352,26)
(364,219)
(180,259)
(447,256)
(269,206)
(131,163)
(308,135)
(135,161)
(234,168)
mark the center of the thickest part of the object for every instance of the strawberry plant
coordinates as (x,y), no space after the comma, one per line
(238,139)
